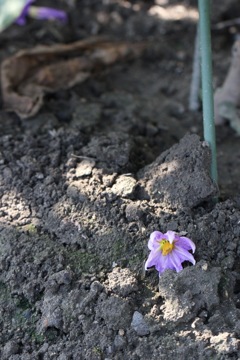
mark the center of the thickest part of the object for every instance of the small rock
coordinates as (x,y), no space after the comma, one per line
(204,266)
(39,176)
(119,342)
(121,332)
(52,315)
(124,186)
(133,212)
(85,168)
(139,324)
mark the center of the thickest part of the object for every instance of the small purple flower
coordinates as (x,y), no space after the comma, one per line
(40,13)
(169,251)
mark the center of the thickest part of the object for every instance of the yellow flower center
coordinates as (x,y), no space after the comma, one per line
(166,247)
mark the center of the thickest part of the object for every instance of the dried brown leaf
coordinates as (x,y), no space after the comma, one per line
(29,74)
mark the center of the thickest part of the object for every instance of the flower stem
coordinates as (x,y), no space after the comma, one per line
(207,90)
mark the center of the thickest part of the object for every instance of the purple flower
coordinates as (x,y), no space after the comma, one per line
(40,13)
(169,251)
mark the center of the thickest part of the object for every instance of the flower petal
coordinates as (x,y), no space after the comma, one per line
(183,254)
(153,242)
(170,236)
(21,20)
(42,13)
(167,264)
(156,259)
(185,243)
(162,264)
(175,261)
(151,261)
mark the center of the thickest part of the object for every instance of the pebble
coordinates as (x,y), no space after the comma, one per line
(139,324)
(124,186)
(121,332)
(119,342)
(85,168)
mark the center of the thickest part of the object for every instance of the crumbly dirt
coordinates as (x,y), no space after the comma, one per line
(85,182)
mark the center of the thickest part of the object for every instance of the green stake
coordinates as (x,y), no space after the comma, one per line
(207,90)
